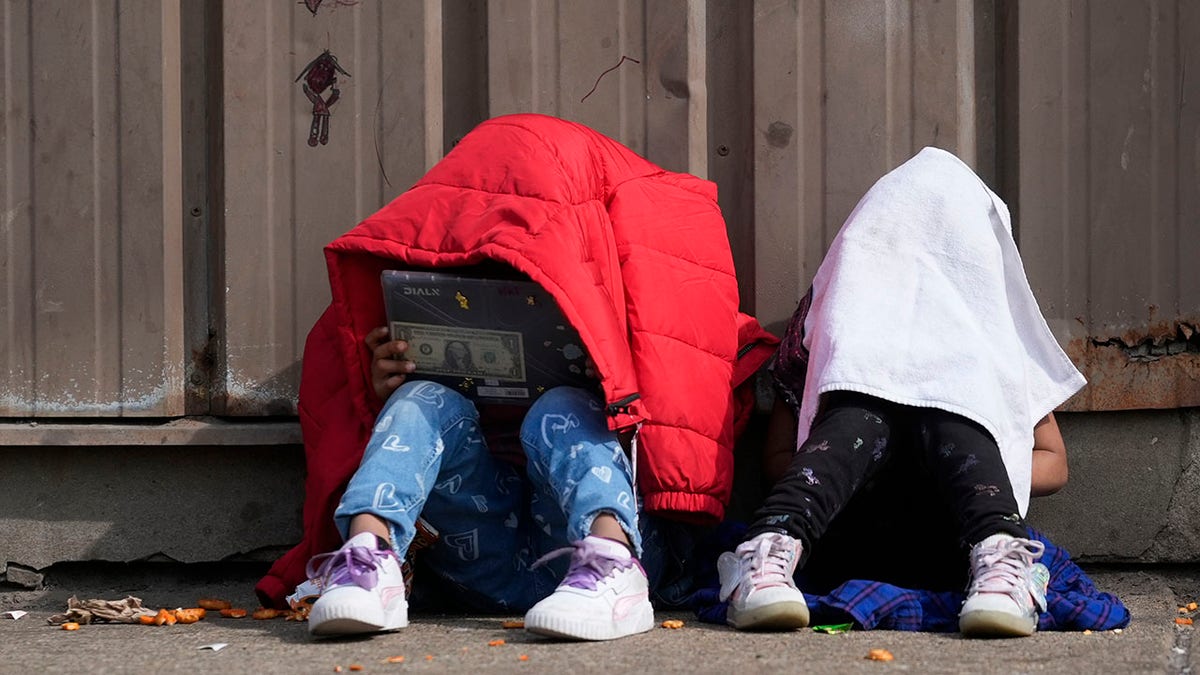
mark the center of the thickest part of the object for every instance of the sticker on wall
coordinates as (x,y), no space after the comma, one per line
(319,75)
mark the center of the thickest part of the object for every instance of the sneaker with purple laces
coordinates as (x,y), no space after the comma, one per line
(1007,590)
(604,596)
(756,580)
(362,589)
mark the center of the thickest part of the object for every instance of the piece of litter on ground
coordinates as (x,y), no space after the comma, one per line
(834,628)
(1179,650)
(1087,631)
(673,624)
(879,655)
(216,646)
(15,614)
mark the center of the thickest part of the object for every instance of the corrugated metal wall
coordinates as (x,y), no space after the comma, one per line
(1108,181)
(163,215)
(92,220)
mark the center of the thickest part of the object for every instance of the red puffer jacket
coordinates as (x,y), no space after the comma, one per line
(637,258)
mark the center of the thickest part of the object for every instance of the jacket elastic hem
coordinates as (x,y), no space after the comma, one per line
(686,506)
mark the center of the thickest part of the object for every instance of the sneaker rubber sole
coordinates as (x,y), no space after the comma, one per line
(346,619)
(639,620)
(995,624)
(785,615)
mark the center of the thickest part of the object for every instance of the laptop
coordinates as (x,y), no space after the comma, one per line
(495,340)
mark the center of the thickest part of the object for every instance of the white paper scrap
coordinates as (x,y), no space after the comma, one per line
(15,614)
(216,646)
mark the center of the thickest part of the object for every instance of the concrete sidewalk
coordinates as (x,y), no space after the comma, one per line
(1152,643)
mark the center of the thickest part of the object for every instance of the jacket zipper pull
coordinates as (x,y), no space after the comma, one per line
(621,407)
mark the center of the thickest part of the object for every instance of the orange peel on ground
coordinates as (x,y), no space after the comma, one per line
(213,604)
(879,655)
(523,657)
(1184,621)
(513,623)
(233,613)
(673,624)
(70,625)
(495,643)
(263,613)
(355,667)
(394,659)
(189,615)
(1191,606)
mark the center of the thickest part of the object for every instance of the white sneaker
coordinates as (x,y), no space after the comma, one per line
(756,579)
(362,589)
(1008,588)
(604,596)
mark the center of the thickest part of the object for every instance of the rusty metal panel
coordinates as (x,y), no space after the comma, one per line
(1109,192)
(92,214)
(284,200)
(844,92)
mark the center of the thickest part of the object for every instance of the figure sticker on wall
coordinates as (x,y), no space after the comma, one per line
(321,74)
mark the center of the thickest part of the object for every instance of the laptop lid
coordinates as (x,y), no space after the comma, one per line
(494,340)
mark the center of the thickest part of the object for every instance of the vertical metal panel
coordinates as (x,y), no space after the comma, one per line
(546,57)
(789,153)
(562,59)
(201,114)
(285,200)
(464,67)
(844,92)
(92,209)
(1108,164)
(730,61)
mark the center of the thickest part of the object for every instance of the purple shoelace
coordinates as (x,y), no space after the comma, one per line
(588,565)
(351,565)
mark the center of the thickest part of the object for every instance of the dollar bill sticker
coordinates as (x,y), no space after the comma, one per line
(463,352)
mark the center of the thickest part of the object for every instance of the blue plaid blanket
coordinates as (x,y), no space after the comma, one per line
(1073,601)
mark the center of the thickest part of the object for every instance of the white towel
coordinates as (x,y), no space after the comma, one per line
(922,300)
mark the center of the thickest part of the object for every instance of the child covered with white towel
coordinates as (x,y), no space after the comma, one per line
(920,355)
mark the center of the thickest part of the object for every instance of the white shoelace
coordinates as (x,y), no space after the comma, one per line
(766,561)
(1005,568)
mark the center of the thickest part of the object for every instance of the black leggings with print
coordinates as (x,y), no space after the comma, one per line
(891,492)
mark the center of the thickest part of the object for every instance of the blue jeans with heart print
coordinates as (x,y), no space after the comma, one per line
(428,458)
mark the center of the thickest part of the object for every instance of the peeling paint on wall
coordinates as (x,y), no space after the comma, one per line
(245,395)
(73,404)
(1157,366)
(146,393)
